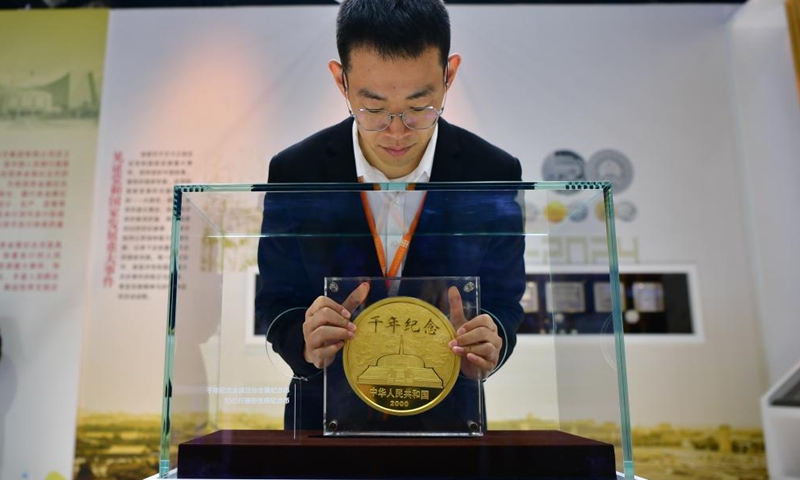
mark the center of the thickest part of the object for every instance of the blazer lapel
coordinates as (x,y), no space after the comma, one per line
(446,167)
(340,166)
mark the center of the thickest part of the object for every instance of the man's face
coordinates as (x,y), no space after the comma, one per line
(394,85)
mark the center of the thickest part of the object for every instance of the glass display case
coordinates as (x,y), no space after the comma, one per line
(437,347)
(780,414)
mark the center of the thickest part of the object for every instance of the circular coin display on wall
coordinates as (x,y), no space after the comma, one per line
(611,166)
(564,166)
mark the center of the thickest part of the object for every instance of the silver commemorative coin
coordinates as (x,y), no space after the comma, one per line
(625,211)
(530,299)
(610,166)
(577,211)
(564,166)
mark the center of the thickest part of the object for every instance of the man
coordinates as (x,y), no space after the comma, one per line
(394,75)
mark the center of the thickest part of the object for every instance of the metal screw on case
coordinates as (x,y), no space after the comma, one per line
(333,425)
(334,287)
(469,287)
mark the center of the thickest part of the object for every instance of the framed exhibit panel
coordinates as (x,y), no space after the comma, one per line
(660,303)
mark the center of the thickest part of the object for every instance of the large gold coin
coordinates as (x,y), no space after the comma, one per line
(399,362)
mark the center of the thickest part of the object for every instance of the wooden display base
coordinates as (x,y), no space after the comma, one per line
(535,455)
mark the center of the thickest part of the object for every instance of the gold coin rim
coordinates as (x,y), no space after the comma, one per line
(447,388)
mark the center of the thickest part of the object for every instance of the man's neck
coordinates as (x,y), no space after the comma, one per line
(394,173)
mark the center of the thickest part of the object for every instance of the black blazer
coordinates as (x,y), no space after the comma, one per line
(489,245)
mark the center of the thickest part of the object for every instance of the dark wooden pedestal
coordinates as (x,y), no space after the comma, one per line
(536,455)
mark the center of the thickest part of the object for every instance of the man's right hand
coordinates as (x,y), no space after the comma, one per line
(327,326)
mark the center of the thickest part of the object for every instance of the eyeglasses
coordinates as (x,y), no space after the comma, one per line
(372,120)
(413,118)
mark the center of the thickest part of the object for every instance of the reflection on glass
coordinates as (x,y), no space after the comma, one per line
(530,299)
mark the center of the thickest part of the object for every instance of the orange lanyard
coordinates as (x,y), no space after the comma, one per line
(402,250)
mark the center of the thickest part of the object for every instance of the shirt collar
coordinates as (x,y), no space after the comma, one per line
(370,174)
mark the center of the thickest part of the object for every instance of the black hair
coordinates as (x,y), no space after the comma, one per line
(393,28)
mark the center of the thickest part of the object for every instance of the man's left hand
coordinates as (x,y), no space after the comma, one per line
(477,340)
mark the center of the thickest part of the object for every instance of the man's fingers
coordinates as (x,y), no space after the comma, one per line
(356,297)
(326,311)
(478,341)
(457,317)
(481,321)
(477,335)
(328,316)
(324,355)
(323,342)
(324,302)
(483,364)
(327,326)
(483,350)
(325,335)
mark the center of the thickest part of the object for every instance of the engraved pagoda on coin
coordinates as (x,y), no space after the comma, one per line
(400,369)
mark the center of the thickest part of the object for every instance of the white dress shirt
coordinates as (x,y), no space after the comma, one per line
(394,210)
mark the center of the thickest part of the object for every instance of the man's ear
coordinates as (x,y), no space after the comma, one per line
(338,74)
(453,62)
